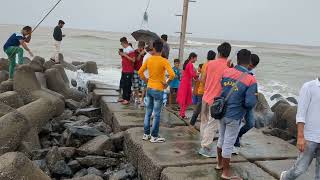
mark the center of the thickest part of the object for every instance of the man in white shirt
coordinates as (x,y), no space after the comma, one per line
(308,138)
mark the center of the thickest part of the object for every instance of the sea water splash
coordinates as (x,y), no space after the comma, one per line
(108,76)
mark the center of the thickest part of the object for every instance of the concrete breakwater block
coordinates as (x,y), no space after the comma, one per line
(258,146)
(122,121)
(245,170)
(276,167)
(98,93)
(180,149)
(92,84)
(17,166)
(11,99)
(13,127)
(108,109)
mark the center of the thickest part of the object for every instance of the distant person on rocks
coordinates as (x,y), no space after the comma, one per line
(157,67)
(210,56)
(128,58)
(12,48)
(57,37)
(308,126)
(175,83)
(241,87)
(249,118)
(213,75)
(166,48)
(184,96)
(137,87)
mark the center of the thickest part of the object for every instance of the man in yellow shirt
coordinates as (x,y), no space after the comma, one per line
(157,66)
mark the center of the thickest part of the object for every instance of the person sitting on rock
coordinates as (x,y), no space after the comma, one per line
(308,124)
(249,118)
(241,89)
(12,48)
(157,67)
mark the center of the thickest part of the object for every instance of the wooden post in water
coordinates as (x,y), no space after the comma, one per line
(183,28)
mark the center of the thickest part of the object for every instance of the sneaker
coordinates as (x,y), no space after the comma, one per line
(236,150)
(157,140)
(206,153)
(146,137)
(282,175)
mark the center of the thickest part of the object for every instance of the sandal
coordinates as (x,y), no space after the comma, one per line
(231,178)
(218,167)
(125,102)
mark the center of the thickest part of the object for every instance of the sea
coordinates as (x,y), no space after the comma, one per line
(282,70)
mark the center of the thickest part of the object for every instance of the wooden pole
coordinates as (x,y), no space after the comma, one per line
(183,28)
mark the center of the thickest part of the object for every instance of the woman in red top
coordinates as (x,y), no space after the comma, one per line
(184,96)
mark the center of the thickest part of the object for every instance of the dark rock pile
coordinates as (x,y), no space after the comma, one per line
(78,144)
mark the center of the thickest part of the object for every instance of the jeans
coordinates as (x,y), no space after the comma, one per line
(196,113)
(12,51)
(125,84)
(196,99)
(304,160)
(228,132)
(249,125)
(154,104)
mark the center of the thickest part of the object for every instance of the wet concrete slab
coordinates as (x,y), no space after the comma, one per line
(98,93)
(109,108)
(258,146)
(179,150)
(276,167)
(122,121)
(245,170)
(106,86)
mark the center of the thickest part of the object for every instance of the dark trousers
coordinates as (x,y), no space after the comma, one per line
(125,85)
(196,113)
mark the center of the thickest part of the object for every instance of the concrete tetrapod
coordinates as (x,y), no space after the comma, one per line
(27,86)
(13,127)
(16,166)
(56,83)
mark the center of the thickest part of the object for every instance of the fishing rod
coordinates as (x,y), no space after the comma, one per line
(46,15)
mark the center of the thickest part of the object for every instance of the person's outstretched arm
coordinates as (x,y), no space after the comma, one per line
(24,45)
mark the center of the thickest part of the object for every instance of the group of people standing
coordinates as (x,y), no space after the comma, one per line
(216,77)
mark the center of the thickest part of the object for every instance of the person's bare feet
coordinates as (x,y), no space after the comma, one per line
(125,102)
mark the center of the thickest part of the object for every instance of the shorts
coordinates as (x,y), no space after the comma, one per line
(143,84)
(136,82)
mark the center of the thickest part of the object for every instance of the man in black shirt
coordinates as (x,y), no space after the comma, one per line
(57,36)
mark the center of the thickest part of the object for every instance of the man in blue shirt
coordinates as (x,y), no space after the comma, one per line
(249,118)
(243,88)
(12,48)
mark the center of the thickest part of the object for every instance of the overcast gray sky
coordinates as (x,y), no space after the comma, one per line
(279,21)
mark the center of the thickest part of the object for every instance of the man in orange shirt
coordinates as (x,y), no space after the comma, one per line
(211,56)
(212,89)
(157,66)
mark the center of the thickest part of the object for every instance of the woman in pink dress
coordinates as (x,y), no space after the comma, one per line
(184,96)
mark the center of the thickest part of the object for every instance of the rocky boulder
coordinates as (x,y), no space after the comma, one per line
(96,146)
(17,166)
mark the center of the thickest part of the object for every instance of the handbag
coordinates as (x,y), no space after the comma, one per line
(218,107)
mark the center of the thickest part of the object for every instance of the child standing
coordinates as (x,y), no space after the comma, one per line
(184,97)
(174,85)
(197,95)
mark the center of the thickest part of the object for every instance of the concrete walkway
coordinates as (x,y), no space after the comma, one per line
(262,157)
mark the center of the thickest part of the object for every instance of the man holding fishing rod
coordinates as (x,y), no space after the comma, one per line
(12,48)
